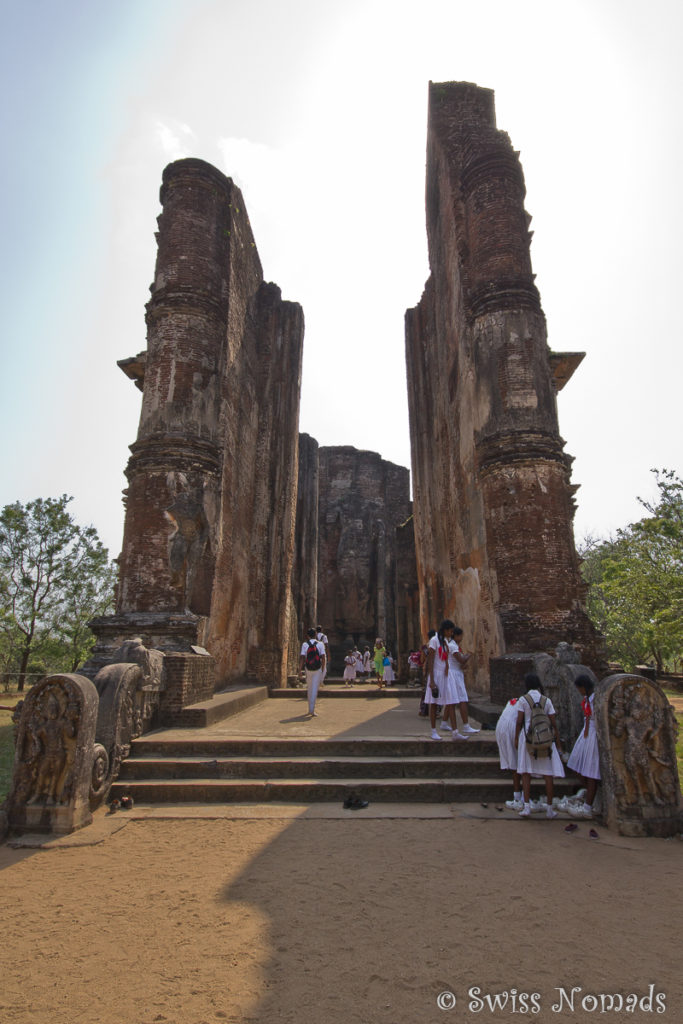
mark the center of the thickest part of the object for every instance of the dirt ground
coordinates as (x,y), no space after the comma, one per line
(330,917)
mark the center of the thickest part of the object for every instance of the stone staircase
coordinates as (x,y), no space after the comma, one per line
(197,764)
(212,770)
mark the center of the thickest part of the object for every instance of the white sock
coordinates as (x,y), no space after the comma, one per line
(518,796)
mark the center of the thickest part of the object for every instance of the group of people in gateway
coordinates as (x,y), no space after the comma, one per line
(528,739)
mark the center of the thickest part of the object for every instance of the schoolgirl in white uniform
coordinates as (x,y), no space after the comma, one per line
(436,672)
(507,751)
(549,767)
(455,692)
(584,758)
(349,669)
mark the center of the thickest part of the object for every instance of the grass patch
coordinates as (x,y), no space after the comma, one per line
(7,740)
(676,699)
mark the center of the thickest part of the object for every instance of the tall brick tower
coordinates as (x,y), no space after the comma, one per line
(492,494)
(210,510)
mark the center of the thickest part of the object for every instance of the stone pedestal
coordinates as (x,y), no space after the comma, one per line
(188,679)
(507,676)
(637,731)
(53,759)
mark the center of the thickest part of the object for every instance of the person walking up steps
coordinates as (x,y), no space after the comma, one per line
(312,659)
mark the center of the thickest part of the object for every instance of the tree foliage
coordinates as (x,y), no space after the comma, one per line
(54,577)
(635,582)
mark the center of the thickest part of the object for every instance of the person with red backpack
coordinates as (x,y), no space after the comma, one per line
(313,660)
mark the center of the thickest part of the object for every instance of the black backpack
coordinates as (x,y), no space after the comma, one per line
(313,659)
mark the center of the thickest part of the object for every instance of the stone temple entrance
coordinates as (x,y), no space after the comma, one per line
(240,533)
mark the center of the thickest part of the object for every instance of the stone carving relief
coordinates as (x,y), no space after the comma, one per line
(637,732)
(189,535)
(49,748)
(557,675)
(354,560)
(639,727)
(129,690)
(53,755)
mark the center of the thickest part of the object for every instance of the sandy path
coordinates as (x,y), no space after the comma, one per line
(313,920)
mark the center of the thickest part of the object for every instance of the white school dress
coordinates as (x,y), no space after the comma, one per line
(389,676)
(525,761)
(584,758)
(505,735)
(455,686)
(350,670)
(440,673)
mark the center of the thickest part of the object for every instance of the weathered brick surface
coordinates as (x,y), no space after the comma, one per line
(188,679)
(305,576)
(210,507)
(491,482)
(362,500)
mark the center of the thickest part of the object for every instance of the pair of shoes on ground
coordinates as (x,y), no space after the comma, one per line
(526,812)
(354,803)
(572,827)
(466,730)
(457,735)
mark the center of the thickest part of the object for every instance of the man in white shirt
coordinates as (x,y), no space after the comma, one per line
(313,659)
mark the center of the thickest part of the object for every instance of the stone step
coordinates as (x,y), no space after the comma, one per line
(221,706)
(303,791)
(357,691)
(155,744)
(152,768)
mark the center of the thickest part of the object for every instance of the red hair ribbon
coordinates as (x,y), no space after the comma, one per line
(586,705)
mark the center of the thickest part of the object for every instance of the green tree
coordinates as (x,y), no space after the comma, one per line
(635,581)
(54,576)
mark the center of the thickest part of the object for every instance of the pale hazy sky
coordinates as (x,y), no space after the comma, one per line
(318,110)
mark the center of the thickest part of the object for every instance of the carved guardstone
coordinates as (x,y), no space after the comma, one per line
(53,759)
(129,692)
(637,739)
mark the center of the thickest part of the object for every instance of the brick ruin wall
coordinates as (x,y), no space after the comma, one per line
(491,482)
(211,497)
(353,506)
(362,501)
(305,575)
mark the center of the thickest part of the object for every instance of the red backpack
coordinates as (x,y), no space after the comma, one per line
(313,659)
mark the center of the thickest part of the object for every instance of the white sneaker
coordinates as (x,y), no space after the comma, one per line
(446,727)
(581,812)
(435,735)
(469,730)
(550,813)
(525,811)
(514,805)
(457,735)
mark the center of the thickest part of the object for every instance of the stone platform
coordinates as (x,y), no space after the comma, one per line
(273,751)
